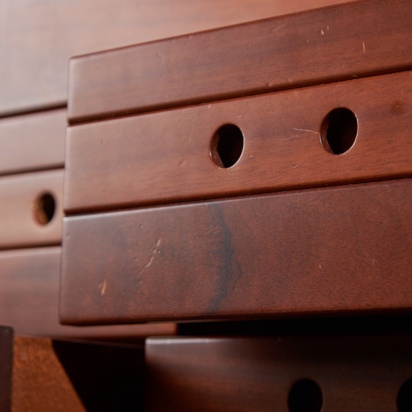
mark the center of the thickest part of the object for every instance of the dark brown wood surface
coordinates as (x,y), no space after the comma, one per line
(24,215)
(32,142)
(165,157)
(353,373)
(29,299)
(53,376)
(6,367)
(333,250)
(38,38)
(341,42)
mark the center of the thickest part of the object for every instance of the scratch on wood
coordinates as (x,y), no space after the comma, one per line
(152,257)
(306,130)
(279,27)
(363,47)
(103,287)
(242,111)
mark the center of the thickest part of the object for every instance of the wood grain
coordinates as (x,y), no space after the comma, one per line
(355,373)
(6,367)
(165,157)
(53,376)
(29,299)
(22,216)
(335,250)
(32,142)
(341,42)
(38,38)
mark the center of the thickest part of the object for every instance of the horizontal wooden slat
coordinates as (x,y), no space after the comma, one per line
(341,42)
(38,38)
(32,142)
(333,250)
(165,157)
(353,373)
(29,299)
(25,213)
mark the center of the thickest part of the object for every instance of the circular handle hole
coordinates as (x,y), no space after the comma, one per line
(339,130)
(404,400)
(305,396)
(227,145)
(44,208)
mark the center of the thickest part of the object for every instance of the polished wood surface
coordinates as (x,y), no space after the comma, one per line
(341,42)
(29,300)
(6,367)
(166,156)
(332,250)
(39,37)
(351,373)
(53,376)
(32,142)
(31,209)
(265,258)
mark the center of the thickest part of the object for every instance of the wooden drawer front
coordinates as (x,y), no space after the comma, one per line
(339,42)
(31,209)
(286,374)
(166,156)
(324,250)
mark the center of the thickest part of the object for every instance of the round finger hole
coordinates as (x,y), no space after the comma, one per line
(404,400)
(227,145)
(339,130)
(305,396)
(44,208)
